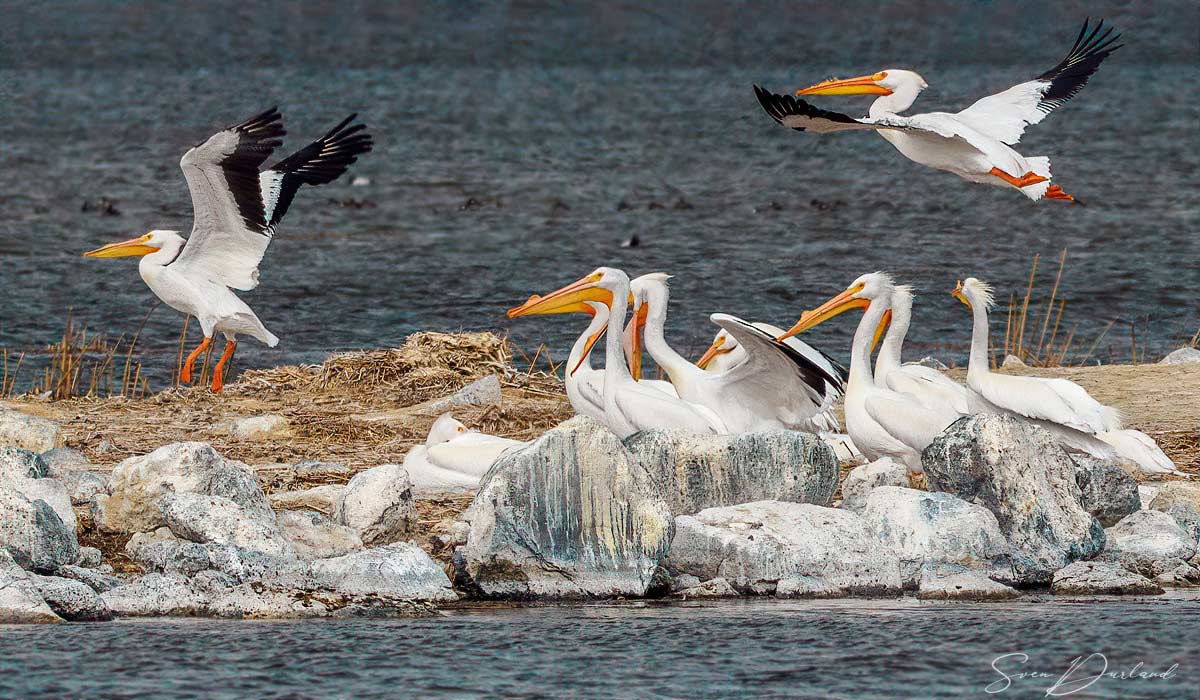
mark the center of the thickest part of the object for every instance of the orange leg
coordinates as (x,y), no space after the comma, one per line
(1056,192)
(218,381)
(185,376)
(1024,181)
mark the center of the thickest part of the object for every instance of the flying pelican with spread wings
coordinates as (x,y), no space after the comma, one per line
(236,209)
(974,144)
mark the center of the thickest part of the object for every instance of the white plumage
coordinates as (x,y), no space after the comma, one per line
(453,458)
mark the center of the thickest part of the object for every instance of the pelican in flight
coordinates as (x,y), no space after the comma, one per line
(236,209)
(974,144)
(1059,405)
(629,405)
(881,422)
(788,385)
(924,383)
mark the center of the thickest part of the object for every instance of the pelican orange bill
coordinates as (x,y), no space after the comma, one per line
(958,294)
(633,336)
(587,348)
(862,85)
(711,353)
(881,329)
(566,300)
(840,303)
(123,249)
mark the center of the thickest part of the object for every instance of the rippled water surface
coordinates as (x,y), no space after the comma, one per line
(766,649)
(518,146)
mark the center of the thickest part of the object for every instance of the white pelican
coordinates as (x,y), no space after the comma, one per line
(236,210)
(453,457)
(629,405)
(723,354)
(974,144)
(880,421)
(1059,405)
(777,385)
(924,383)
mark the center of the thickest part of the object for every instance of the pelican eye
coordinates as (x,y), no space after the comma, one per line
(879,76)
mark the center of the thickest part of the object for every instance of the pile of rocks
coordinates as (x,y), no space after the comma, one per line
(579,513)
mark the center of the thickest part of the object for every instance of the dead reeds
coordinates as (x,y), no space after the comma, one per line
(78,364)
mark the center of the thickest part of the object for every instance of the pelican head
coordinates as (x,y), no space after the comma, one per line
(445,429)
(571,298)
(885,82)
(972,291)
(641,289)
(859,295)
(152,242)
(723,344)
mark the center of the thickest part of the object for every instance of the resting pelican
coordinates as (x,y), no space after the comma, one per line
(924,383)
(1059,405)
(629,405)
(881,422)
(236,210)
(723,354)
(454,457)
(974,144)
(777,385)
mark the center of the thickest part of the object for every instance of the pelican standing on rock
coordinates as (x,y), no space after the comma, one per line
(629,405)
(974,144)
(776,385)
(236,210)
(1061,406)
(880,421)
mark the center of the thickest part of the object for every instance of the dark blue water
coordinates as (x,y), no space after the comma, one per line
(749,649)
(568,130)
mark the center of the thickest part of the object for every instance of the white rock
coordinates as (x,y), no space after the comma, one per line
(1185,355)
(322,499)
(712,588)
(1012,361)
(398,571)
(96,580)
(378,503)
(32,530)
(862,480)
(29,432)
(138,485)
(53,492)
(20,601)
(215,520)
(807,587)
(246,601)
(955,583)
(925,529)
(756,545)
(1148,542)
(571,515)
(1171,492)
(155,595)
(71,600)
(481,392)
(18,462)
(1146,494)
(1101,578)
(262,427)
(313,536)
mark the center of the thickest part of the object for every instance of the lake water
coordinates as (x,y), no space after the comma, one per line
(517,147)
(884,649)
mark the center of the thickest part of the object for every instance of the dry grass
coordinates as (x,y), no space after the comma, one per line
(77,365)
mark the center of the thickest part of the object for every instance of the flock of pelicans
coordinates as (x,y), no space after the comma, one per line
(758,377)
(755,376)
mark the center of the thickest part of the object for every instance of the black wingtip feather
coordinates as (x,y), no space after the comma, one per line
(321,162)
(782,106)
(1072,73)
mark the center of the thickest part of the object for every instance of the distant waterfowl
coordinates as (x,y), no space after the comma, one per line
(881,422)
(236,210)
(974,144)
(629,405)
(1059,405)
(453,457)
(775,385)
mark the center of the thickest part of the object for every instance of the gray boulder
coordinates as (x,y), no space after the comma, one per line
(247,602)
(64,459)
(71,600)
(571,515)
(90,557)
(264,427)
(481,392)
(313,536)
(52,492)
(72,469)
(33,532)
(705,471)
(156,595)
(756,545)
(310,468)
(1149,542)
(1106,490)
(807,587)
(1172,492)
(29,432)
(209,519)
(138,485)
(1019,473)
(17,462)
(378,503)
(1187,517)
(1101,578)
(712,588)
(98,581)
(925,529)
(861,480)
(162,552)
(943,582)
(399,571)
(20,601)
(323,499)
(1186,355)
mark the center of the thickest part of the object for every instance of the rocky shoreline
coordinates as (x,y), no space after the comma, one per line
(578,514)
